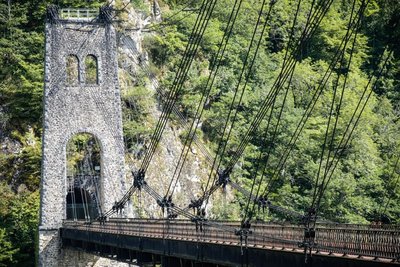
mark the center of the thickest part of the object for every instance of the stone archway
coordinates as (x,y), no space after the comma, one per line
(83,200)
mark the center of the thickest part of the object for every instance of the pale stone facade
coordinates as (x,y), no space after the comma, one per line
(79,108)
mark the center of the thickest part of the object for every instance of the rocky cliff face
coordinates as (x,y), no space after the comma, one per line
(133,59)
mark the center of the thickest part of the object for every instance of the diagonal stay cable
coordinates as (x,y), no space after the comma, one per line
(308,31)
(394,187)
(223,141)
(181,70)
(206,92)
(309,109)
(250,195)
(161,95)
(186,62)
(213,189)
(197,32)
(209,192)
(333,104)
(341,147)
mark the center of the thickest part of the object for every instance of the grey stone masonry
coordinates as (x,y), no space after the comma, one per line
(70,109)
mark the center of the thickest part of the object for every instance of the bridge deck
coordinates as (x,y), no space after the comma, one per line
(352,242)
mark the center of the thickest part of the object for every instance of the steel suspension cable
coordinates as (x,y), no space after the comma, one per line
(207,193)
(197,32)
(161,96)
(258,165)
(308,111)
(339,152)
(207,90)
(314,20)
(250,195)
(171,95)
(394,187)
(362,8)
(283,68)
(223,141)
(185,64)
(264,172)
(333,103)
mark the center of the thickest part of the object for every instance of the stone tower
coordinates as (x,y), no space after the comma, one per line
(78,100)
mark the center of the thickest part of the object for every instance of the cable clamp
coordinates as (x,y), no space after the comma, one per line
(200,219)
(118,206)
(223,177)
(138,179)
(102,219)
(244,233)
(196,204)
(166,204)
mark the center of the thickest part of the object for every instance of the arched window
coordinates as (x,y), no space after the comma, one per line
(91,69)
(72,70)
(83,177)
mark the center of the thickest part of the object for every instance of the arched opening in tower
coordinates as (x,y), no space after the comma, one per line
(83,199)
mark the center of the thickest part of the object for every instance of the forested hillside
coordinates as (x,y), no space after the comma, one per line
(363,188)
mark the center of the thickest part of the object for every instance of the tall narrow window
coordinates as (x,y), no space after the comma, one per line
(72,70)
(91,69)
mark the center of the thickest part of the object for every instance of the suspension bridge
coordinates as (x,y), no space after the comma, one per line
(89,210)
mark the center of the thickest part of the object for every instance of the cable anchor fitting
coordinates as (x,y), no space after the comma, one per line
(118,206)
(244,233)
(200,218)
(196,204)
(102,219)
(166,204)
(105,14)
(138,179)
(309,233)
(223,177)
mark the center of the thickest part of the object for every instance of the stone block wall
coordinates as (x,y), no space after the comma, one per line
(73,109)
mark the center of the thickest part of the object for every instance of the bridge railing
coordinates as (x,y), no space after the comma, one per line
(78,13)
(373,242)
(358,240)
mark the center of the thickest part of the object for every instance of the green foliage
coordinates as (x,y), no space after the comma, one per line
(139,5)
(23,165)
(18,225)
(361,178)
(138,103)
(6,249)
(83,154)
